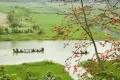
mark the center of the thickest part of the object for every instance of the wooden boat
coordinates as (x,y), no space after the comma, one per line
(28,50)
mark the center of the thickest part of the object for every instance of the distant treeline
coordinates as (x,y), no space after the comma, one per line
(34,0)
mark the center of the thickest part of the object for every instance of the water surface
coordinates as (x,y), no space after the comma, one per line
(54,51)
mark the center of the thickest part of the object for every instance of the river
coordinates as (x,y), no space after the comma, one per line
(54,51)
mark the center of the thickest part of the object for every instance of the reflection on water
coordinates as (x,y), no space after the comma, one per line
(53,51)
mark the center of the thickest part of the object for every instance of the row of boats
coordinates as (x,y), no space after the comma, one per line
(27,50)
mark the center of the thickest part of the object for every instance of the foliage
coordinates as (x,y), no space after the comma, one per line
(38,28)
(4,30)
(1,30)
(50,76)
(18,17)
(2,70)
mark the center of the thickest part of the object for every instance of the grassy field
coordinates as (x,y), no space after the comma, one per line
(37,69)
(44,15)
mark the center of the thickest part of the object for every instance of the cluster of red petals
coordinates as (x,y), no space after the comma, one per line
(75,69)
(101,9)
(113,20)
(84,74)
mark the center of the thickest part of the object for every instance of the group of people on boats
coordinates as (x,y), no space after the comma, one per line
(27,50)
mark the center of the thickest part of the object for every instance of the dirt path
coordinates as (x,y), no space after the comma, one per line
(3,19)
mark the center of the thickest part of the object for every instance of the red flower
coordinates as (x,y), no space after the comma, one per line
(56,38)
(76,55)
(84,74)
(76,46)
(66,64)
(106,56)
(75,68)
(58,29)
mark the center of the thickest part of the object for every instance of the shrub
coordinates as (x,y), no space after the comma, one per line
(61,32)
(36,27)
(1,30)
(14,30)
(40,30)
(7,30)
(17,17)
(2,70)
(30,76)
(17,30)
(50,76)
(28,31)
(5,77)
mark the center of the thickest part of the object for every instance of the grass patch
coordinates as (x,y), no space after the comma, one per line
(37,69)
(22,37)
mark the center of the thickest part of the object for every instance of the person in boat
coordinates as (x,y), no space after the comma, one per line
(21,50)
(42,49)
(86,52)
(25,50)
(14,50)
(33,50)
(17,50)
(37,50)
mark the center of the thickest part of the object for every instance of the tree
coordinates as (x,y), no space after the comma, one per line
(84,17)
(16,18)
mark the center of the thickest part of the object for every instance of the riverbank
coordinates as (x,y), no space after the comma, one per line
(36,70)
(26,37)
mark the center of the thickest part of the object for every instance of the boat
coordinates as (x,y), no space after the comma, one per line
(28,50)
(85,52)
